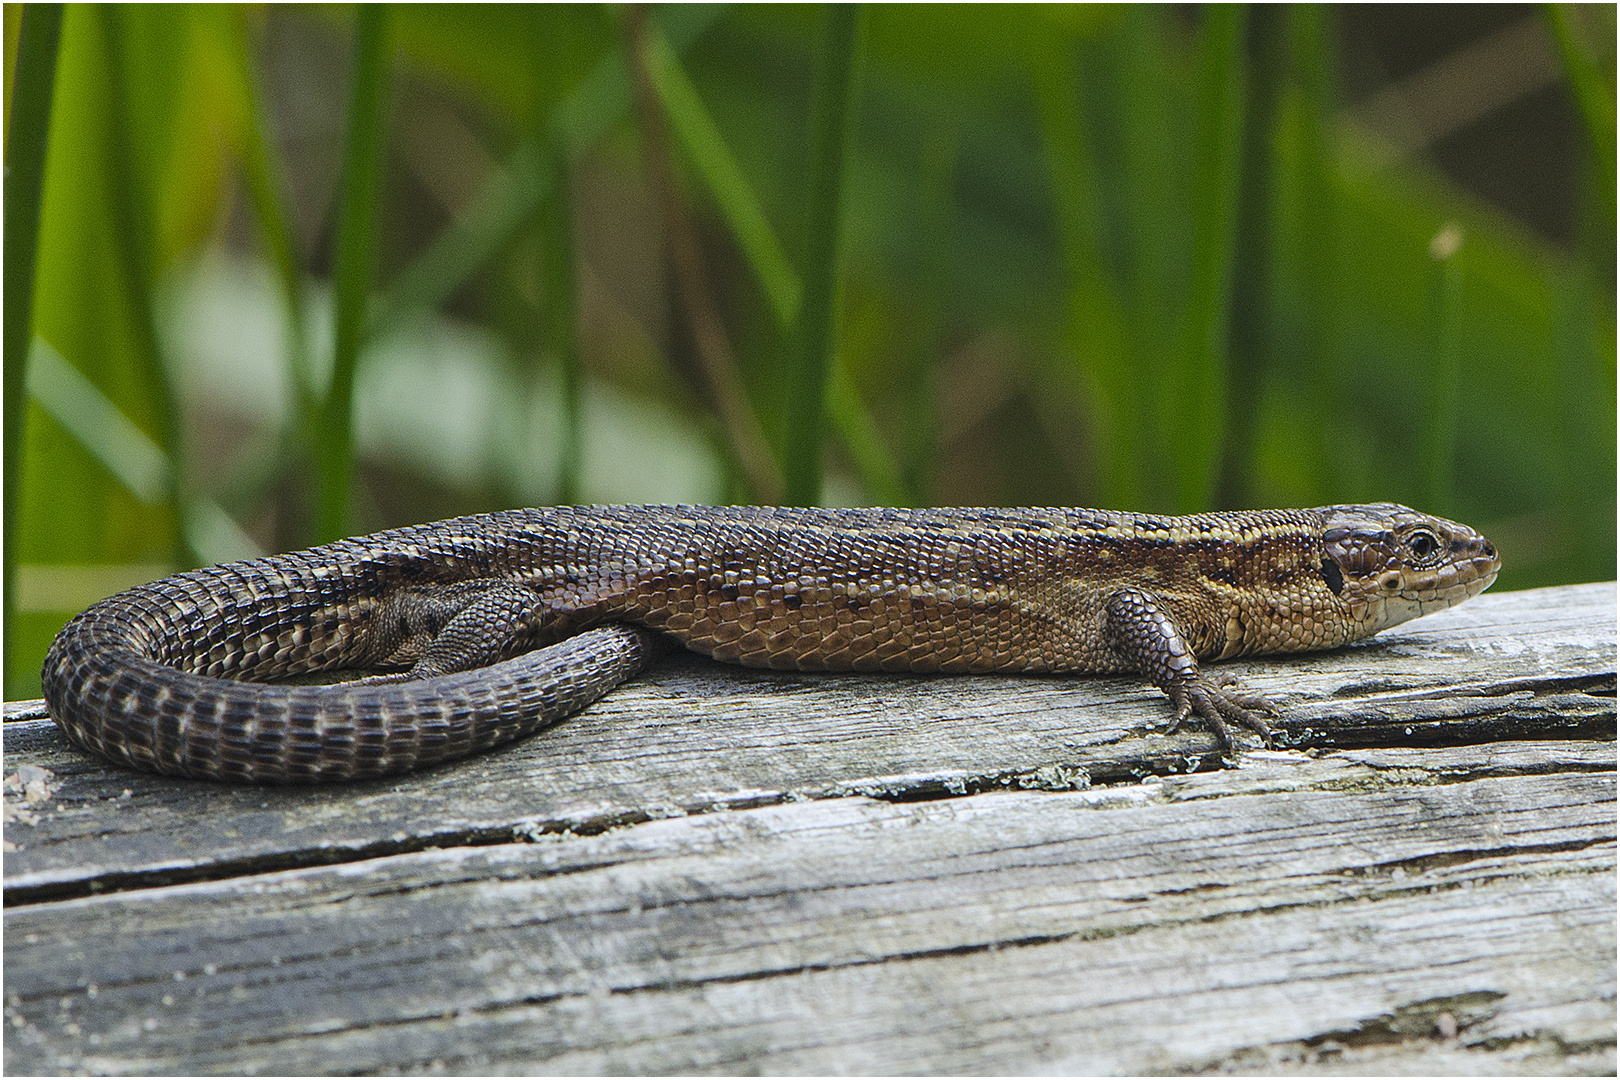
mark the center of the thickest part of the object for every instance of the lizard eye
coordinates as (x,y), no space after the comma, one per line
(1423,544)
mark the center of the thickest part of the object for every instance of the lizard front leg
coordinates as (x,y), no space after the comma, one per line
(1146,635)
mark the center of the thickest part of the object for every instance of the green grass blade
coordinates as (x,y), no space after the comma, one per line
(1103,373)
(1198,392)
(32,82)
(557,272)
(1253,261)
(127,453)
(603,97)
(704,146)
(1583,312)
(1584,482)
(504,202)
(708,151)
(514,192)
(832,123)
(140,465)
(359,191)
(133,228)
(879,472)
(131,223)
(716,366)
(1148,192)
(1440,431)
(1592,93)
(265,179)
(1308,251)
(1594,96)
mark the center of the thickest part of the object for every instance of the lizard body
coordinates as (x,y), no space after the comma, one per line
(498,624)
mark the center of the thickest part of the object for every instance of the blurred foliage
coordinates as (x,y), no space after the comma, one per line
(1142,257)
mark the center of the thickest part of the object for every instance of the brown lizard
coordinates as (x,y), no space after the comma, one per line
(498,624)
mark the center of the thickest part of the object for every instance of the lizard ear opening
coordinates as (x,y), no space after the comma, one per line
(1356,550)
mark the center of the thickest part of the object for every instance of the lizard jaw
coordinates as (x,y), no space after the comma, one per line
(1399,564)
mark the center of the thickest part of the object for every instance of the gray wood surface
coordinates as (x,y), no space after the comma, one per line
(717,870)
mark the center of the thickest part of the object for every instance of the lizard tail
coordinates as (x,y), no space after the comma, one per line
(113,699)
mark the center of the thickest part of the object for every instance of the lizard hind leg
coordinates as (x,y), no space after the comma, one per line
(442,629)
(1145,635)
(478,680)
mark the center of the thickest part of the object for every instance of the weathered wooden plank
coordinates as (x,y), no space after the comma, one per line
(1449,869)
(695,735)
(1185,923)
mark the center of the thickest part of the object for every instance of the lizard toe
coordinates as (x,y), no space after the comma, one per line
(1245,709)
(1216,705)
(1184,709)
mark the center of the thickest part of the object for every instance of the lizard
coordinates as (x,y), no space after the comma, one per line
(487,627)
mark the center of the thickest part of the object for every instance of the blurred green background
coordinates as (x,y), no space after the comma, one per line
(304,273)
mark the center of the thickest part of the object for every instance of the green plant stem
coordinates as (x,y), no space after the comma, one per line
(689,120)
(1594,97)
(1198,399)
(707,150)
(267,192)
(131,206)
(807,380)
(717,367)
(1584,357)
(511,195)
(264,176)
(354,258)
(1249,341)
(1151,186)
(1592,94)
(1440,433)
(1313,250)
(557,273)
(1102,372)
(27,138)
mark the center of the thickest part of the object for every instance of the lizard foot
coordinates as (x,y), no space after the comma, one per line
(1216,705)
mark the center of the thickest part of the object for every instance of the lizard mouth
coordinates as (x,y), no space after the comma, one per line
(1450,586)
(1409,592)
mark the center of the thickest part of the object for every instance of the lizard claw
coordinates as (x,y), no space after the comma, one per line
(1216,705)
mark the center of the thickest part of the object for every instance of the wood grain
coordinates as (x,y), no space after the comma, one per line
(717,870)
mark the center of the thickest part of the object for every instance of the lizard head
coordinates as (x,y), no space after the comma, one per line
(1391,563)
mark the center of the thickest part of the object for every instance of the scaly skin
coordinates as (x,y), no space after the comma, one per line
(502,623)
